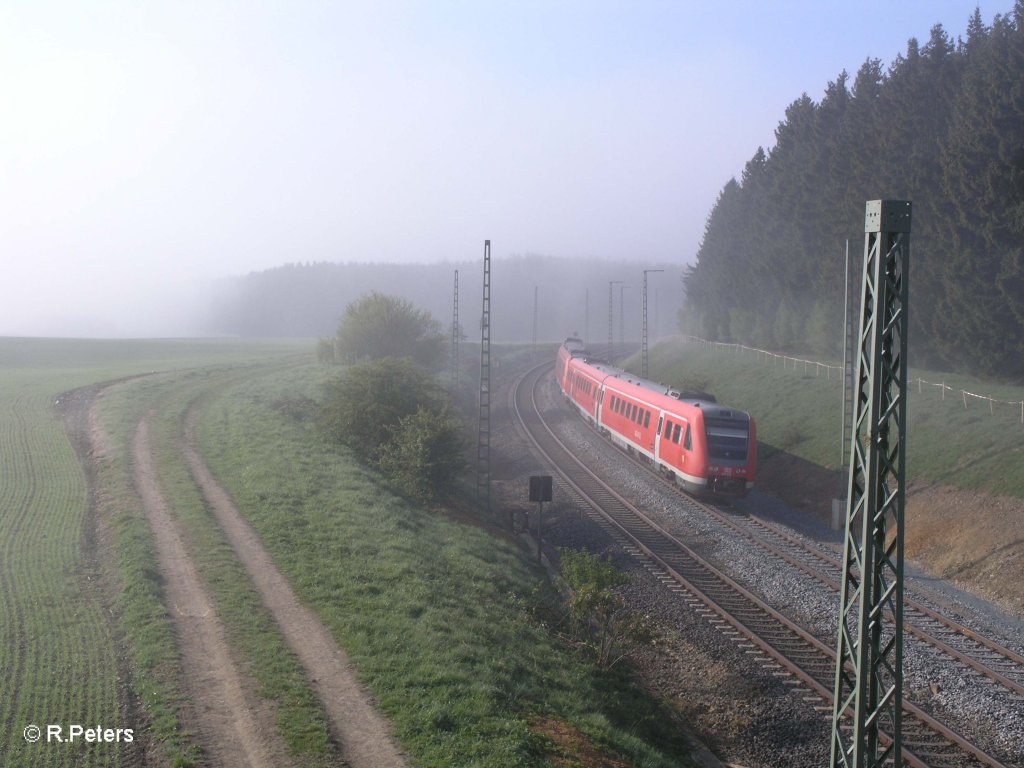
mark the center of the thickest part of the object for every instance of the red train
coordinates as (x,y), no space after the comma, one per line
(709,448)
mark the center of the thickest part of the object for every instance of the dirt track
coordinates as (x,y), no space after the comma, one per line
(234,726)
(363,733)
(224,715)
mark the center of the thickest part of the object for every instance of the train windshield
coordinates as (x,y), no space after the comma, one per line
(727,444)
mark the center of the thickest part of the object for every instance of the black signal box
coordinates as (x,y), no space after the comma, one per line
(540,487)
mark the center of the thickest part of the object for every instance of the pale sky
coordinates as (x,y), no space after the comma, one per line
(148,148)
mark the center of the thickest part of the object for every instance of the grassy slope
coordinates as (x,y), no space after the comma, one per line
(800,413)
(434,614)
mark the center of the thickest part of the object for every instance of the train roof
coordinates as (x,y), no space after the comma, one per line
(703,400)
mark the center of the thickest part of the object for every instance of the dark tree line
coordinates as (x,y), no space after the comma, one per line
(942,126)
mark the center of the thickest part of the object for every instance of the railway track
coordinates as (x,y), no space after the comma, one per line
(743,617)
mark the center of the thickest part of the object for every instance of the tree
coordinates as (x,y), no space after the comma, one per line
(377,326)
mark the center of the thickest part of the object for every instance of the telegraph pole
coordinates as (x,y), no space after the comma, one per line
(869,658)
(643,334)
(586,322)
(535,317)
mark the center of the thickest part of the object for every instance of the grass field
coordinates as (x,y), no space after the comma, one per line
(58,647)
(967,447)
(446,623)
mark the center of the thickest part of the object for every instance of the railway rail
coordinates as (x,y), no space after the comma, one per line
(752,623)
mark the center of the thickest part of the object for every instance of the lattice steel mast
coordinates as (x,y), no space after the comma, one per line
(483,443)
(869,663)
(611,315)
(643,334)
(455,333)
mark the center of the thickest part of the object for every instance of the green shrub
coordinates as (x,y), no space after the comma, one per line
(424,455)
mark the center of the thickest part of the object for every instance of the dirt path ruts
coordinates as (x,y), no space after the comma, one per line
(228,725)
(361,730)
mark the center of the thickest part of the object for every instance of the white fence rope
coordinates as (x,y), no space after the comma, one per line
(796,362)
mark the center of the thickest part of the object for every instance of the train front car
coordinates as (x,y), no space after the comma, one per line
(729,438)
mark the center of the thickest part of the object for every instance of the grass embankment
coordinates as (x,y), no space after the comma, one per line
(800,413)
(436,615)
(59,647)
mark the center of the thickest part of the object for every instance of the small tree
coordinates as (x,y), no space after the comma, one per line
(597,611)
(377,326)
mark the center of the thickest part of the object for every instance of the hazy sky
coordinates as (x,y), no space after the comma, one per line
(147,147)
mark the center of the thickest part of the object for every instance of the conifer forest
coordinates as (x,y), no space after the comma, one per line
(942,126)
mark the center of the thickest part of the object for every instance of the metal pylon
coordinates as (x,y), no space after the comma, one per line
(643,331)
(455,333)
(869,662)
(611,315)
(849,347)
(483,444)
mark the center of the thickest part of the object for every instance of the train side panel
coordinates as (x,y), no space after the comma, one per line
(680,447)
(630,420)
(583,388)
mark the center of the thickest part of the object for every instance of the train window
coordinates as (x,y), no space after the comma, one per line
(675,434)
(632,414)
(668,429)
(647,419)
(727,443)
(688,442)
(614,399)
(661,420)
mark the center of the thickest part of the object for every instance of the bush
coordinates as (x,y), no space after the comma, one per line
(396,417)
(597,611)
(424,454)
(368,400)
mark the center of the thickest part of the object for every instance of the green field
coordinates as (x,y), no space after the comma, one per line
(972,446)
(448,624)
(58,648)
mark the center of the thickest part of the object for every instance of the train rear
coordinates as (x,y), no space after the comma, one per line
(730,437)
